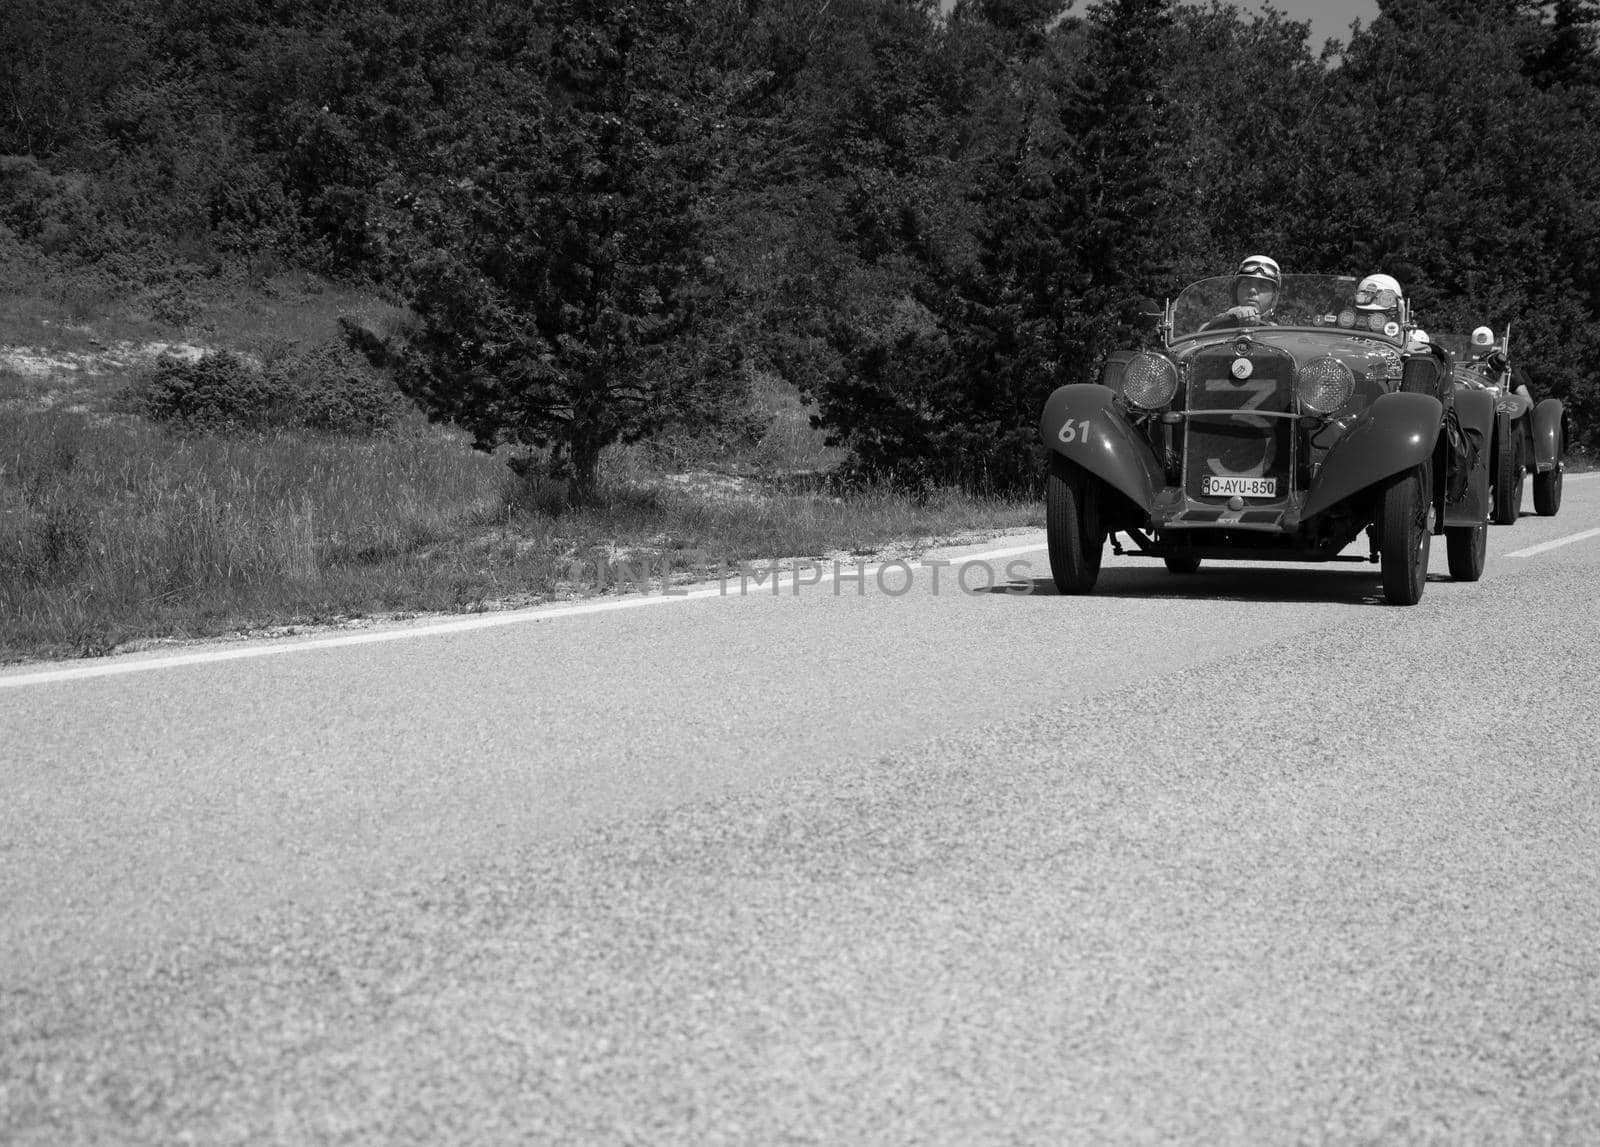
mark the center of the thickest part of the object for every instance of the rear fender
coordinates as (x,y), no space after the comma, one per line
(1548,446)
(1395,433)
(1082,424)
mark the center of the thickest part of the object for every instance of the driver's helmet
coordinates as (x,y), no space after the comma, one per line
(1258,269)
(1378,302)
(1419,337)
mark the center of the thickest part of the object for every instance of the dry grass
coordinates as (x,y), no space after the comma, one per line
(112,531)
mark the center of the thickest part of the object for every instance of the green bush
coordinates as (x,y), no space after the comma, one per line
(326,387)
(331,387)
(216,392)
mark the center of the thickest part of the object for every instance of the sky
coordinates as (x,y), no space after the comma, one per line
(1328,17)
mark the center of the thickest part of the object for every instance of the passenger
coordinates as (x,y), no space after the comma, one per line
(1255,294)
(1418,342)
(1377,302)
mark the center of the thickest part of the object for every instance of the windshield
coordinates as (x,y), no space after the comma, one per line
(1304,300)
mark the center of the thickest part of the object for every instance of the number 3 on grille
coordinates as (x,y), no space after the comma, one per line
(1259,390)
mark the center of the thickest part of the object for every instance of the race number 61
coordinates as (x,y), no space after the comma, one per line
(1074,431)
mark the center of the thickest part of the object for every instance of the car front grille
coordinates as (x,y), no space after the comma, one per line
(1236,426)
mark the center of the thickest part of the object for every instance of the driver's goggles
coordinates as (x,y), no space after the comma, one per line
(1383,300)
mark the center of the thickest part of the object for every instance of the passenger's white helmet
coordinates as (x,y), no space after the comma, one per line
(1420,336)
(1378,293)
(1483,337)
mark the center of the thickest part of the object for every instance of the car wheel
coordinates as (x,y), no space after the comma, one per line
(1182,564)
(1547,493)
(1073,531)
(1403,538)
(1508,481)
(1465,547)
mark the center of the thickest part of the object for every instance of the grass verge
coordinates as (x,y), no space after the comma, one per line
(115,533)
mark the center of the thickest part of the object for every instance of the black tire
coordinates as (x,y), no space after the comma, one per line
(1508,480)
(1547,493)
(1074,535)
(1465,547)
(1403,538)
(1182,564)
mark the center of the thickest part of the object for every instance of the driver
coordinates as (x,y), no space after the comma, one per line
(1486,352)
(1378,304)
(1255,293)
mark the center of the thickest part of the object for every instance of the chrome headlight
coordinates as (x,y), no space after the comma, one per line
(1150,380)
(1324,384)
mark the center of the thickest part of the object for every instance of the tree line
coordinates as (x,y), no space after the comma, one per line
(605,214)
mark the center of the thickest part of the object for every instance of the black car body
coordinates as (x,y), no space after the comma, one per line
(1529,437)
(1278,442)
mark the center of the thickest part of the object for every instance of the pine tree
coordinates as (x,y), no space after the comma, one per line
(571,277)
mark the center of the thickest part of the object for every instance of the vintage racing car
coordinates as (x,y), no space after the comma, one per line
(1528,436)
(1282,441)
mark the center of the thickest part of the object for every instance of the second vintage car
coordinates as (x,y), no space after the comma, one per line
(1528,436)
(1278,427)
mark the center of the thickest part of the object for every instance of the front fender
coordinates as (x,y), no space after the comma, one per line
(1389,437)
(1475,411)
(1081,423)
(1548,447)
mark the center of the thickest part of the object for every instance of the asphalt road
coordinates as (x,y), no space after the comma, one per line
(1242,857)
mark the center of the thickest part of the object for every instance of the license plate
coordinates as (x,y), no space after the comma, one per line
(1219,486)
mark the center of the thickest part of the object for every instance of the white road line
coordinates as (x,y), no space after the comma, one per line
(732,587)
(1542,546)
